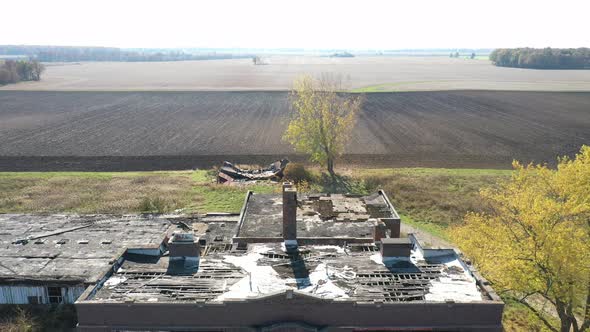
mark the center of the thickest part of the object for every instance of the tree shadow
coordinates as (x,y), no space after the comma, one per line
(340,184)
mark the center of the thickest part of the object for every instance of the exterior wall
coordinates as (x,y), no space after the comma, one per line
(260,313)
(19,294)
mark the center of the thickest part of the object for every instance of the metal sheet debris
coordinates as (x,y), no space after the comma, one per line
(229,172)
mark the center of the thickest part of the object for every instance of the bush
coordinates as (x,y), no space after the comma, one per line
(296,173)
(22,321)
(153,205)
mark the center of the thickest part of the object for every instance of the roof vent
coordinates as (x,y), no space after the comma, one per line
(396,247)
(184,246)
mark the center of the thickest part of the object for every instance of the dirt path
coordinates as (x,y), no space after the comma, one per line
(428,239)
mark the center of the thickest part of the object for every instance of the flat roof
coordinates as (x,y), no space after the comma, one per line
(93,249)
(71,248)
(350,273)
(318,215)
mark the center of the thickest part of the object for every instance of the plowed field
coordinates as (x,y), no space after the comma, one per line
(179,130)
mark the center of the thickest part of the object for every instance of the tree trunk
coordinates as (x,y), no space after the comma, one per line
(566,324)
(330,165)
(565,319)
(586,318)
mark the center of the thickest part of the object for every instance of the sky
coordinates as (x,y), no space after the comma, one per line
(309,24)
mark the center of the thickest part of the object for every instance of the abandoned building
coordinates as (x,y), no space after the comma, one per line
(287,262)
(53,259)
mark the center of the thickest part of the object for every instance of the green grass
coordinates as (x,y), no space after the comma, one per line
(100,175)
(432,228)
(429,198)
(432,171)
(432,199)
(220,198)
(88,192)
(120,192)
(389,87)
(517,317)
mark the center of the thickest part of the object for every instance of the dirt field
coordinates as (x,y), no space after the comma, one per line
(181,130)
(368,73)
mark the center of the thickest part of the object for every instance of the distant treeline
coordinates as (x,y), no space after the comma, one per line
(72,53)
(12,71)
(342,55)
(545,58)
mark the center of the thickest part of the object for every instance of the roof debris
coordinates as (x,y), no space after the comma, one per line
(330,272)
(229,173)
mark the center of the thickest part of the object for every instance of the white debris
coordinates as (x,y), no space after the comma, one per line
(260,279)
(377,258)
(114,280)
(458,286)
(455,282)
(338,249)
(264,279)
(322,285)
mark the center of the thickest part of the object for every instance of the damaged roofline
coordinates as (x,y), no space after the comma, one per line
(288,294)
(243,212)
(483,284)
(339,241)
(386,198)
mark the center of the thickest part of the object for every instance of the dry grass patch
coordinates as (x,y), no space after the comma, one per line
(432,199)
(95,192)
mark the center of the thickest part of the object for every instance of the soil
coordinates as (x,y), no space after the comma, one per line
(381,73)
(183,130)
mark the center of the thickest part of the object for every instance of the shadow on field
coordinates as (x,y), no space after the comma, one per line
(340,184)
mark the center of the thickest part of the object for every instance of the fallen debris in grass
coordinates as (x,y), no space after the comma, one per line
(229,173)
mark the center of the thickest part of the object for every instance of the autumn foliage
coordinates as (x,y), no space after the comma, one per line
(322,119)
(534,238)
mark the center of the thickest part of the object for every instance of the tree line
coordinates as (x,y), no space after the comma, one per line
(546,58)
(456,55)
(13,71)
(73,53)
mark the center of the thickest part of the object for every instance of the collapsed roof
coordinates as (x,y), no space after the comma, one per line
(351,273)
(318,215)
(230,172)
(335,258)
(340,256)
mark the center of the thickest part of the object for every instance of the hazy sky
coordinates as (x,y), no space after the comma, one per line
(357,24)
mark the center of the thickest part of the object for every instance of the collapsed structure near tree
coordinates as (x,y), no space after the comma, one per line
(287,262)
(229,172)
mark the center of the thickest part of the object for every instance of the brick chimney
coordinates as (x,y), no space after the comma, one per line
(393,225)
(184,246)
(289,214)
(379,231)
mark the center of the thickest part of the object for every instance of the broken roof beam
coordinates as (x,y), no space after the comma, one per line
(43,235)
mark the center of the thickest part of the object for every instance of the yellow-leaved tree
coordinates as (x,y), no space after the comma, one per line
(533,240)
(322,119)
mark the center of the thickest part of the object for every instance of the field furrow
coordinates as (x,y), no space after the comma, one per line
(175,130)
